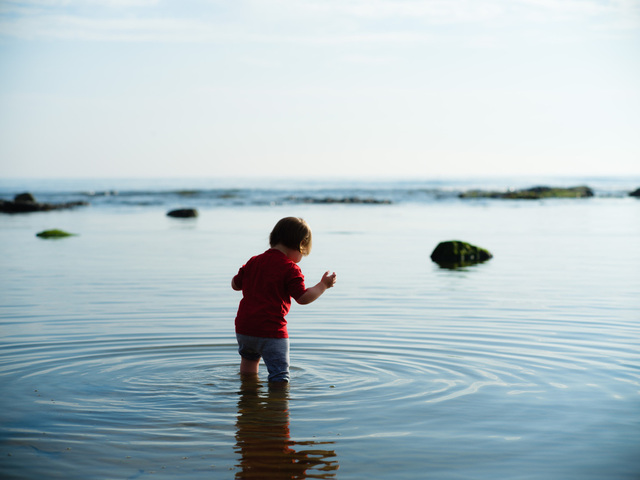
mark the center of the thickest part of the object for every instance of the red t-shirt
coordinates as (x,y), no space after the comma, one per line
(268,282)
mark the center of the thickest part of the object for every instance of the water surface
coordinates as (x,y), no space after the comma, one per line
(118,357)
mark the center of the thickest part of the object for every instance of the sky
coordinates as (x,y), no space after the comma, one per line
(331,88)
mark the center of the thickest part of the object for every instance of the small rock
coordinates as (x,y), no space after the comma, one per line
(183,213)
(24,197)
(55,233)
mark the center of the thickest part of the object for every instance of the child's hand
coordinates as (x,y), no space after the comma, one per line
(329,279)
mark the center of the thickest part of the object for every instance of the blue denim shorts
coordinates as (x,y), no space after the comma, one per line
(274,352)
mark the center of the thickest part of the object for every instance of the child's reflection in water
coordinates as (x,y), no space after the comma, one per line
(262,438)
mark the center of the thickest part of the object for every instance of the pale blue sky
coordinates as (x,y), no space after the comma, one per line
(116,88)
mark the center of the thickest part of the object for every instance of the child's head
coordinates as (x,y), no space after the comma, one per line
(293,233)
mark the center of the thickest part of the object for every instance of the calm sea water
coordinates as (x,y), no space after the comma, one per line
(118,357)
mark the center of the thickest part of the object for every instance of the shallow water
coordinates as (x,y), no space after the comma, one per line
(118,356)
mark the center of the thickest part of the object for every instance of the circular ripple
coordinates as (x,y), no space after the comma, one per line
(158,399)
(437,366)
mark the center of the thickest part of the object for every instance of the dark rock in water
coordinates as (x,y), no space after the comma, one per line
(26,202)
(454,254)
(534,193)
(183,213)
(55,233)
(24,197)
(635,193)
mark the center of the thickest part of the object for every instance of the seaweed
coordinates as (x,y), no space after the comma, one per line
(54,233)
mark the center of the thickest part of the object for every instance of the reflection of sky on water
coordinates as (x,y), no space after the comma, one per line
(263,439)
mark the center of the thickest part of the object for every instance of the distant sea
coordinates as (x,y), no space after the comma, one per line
(118,356)
(207,192)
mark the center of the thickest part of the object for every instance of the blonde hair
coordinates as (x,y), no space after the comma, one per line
(293,233)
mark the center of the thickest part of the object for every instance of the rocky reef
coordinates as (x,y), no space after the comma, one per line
(345,200)
(534,193)
(455,254)
(26,203)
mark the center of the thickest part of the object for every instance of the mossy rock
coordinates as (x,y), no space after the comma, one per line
(55,233)
(534,193)
(455,254)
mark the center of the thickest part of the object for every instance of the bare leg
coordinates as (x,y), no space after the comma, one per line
(249,367)
(281,385)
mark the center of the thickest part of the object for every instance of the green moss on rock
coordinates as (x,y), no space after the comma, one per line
(54,233)
(534,193)
(455,253)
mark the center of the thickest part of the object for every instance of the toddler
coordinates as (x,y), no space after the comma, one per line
(268,282)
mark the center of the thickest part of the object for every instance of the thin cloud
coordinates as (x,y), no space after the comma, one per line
(69,27)
(301,21)
(70,4)
(453,11)
(438,11)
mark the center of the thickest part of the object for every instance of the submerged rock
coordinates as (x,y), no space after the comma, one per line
(26,202)
(635,193)
(454,254)
(55,233)
(183,213)
(534,193)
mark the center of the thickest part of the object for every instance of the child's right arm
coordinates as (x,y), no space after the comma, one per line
(236,282)
(313,293)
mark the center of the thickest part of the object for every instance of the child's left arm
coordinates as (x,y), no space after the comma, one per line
(313,293)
